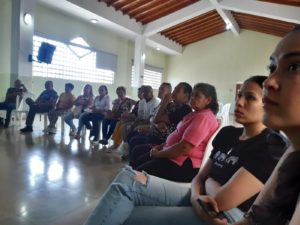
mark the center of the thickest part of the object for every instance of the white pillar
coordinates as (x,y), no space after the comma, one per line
(21,42)
(139,60)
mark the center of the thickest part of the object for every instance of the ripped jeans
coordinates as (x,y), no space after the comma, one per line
(130,202)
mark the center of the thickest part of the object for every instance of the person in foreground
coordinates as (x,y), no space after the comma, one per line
(240,163)
(278,203)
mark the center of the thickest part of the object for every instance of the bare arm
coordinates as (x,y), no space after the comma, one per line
(181,148)
(242,186)
(161,114)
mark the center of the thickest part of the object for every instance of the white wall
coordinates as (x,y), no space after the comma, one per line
(222,60)
(5,37)
(63,27)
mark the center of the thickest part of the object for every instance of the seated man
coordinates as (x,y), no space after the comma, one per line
(63,105)
(10,100)
(44,103)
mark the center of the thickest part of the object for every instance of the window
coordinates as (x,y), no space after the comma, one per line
(73,61)
(152,76)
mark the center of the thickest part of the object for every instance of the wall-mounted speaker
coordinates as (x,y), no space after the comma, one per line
(46,52)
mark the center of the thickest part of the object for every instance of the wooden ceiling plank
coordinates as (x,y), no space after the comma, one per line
(199,25)
(145,7)
(122,5)
(203,18)
(275,11)
(165,9)
(184,43)
(203,27)
(199,32)
(177,17)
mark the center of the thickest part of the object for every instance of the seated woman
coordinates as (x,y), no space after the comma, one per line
(121,105)
(81,103)
(63,105)
(180,157)
(241,162)
(278,203)
(101,105)
(126,117)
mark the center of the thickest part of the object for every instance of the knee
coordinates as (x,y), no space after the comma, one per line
(130,176)
(141,177)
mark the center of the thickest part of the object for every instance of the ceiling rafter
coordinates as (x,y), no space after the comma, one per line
(167,22)
(227,17)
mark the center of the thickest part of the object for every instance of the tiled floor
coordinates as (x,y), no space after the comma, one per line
(50,179)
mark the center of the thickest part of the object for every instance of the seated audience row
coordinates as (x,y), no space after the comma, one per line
(240,163)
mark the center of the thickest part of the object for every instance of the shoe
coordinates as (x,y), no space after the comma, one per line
(46,130)
(103,142)
(52,130)
(111,149)
(26,129)
(77,136)
(6,126)
(72,132)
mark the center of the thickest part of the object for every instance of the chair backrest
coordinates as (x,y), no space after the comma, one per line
(225,114)
(209,146)
(220,108)
(21,105)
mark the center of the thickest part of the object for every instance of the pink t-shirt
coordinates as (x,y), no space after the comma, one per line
(195,128)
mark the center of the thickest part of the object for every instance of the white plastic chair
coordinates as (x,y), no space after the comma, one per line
(21,107)
(224,115)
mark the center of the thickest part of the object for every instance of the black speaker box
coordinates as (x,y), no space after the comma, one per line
(46,52)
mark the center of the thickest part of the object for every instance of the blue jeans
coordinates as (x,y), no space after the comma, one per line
(128,201)
(8,107)
(69,120)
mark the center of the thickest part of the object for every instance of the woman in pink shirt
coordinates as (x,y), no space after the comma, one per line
(180,157)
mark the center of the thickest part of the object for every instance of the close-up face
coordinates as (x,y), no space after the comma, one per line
(120,93)
(282,88)
(87,89)
(199,101)
(249,106)
(178,94)
(102,91)
(163,90)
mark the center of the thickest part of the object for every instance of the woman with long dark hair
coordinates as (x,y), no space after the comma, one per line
(278,203)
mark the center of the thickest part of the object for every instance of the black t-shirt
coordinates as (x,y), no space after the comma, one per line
(258,155)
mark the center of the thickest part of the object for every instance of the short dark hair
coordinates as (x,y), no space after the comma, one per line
(121,88)
(168,85)
(187,88)
(69,85)
(209,91)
